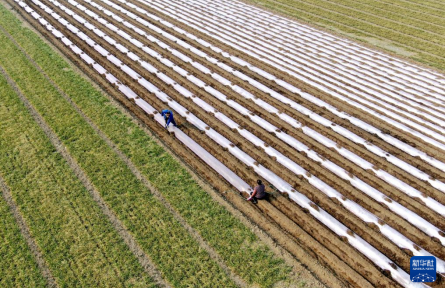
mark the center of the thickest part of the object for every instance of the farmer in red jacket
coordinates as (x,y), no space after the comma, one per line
(258,193)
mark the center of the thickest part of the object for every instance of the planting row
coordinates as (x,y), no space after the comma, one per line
(325,86)
(306,46)
(293,104)
(223,243)
(135,76)
(291,141)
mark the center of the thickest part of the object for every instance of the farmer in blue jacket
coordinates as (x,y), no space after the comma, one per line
(168,117)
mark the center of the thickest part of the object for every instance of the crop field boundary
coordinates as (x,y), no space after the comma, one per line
(24,229)
(131,242)
(279,202)
(229,199)
(223,200)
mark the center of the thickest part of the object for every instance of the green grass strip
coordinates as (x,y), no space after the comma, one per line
(79,245)
(172,249)
(18,268)
(399,11)
(237,245)
(401,25)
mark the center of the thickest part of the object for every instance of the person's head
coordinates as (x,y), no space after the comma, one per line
(259,182)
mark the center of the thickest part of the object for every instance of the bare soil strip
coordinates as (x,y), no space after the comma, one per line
(24,229)
(117,224)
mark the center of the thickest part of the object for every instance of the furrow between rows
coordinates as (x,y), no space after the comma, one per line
(266,174)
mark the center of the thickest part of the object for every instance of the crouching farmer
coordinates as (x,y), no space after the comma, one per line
(259,193)
(168,117)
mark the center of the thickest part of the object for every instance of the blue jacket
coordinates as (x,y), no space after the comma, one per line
(170,119)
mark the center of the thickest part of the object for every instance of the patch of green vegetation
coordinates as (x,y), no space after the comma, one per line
(176,254)
(387,25)
(227,235)
(18,268)
(402,12)
(79,245)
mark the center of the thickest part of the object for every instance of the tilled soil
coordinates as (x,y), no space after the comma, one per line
(291,226)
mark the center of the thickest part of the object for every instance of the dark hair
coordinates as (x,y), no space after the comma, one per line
(259,182)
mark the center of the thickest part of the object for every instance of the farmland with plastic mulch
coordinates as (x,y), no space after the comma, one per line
(350,141)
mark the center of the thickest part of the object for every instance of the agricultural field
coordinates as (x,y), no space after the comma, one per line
(410,28)
(104,204)
(349,141)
